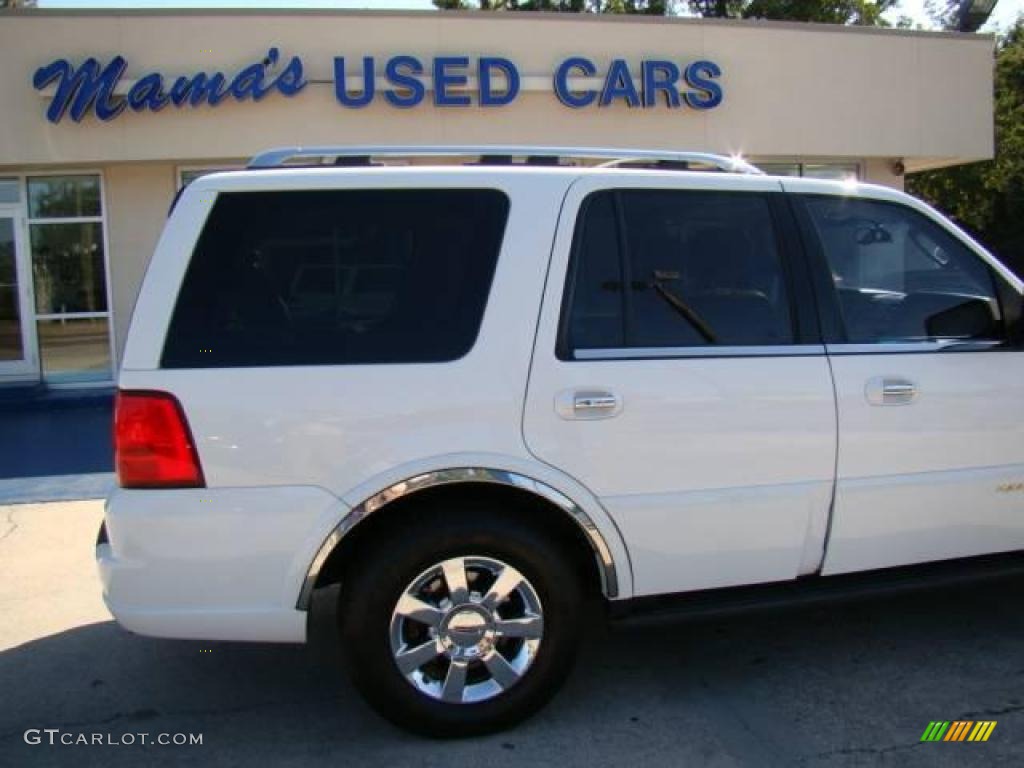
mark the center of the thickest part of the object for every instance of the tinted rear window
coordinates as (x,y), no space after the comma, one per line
(338,277)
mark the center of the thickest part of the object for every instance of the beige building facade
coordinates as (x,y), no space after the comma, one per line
(104,119)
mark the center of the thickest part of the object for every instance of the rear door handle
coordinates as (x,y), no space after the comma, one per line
(587,404)
(594,402)
(890,390)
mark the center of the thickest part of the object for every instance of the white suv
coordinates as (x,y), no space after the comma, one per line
(477,394)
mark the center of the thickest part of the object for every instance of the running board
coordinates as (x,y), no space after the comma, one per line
(815,590)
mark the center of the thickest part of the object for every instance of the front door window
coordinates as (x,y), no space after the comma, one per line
(900,277)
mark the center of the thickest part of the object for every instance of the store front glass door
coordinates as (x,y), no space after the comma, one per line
(17,343)
(72,316)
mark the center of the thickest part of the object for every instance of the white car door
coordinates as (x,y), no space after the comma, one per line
(678,373)
(929,383)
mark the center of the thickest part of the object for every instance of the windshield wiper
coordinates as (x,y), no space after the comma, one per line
(682,309)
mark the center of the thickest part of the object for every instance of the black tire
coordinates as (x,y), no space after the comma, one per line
(388,563)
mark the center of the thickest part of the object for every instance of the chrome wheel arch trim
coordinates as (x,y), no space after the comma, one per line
(602,553)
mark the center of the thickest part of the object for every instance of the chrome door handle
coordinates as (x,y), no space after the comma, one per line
(595,402)
(898,390)
(584,404)
(886,390)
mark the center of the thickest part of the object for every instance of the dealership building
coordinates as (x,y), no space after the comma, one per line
(107,114)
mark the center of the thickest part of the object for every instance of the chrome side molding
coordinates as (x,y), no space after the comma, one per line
(710,350)
(908,347)
(602,553)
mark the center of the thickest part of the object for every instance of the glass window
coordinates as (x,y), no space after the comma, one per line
(336,277)
(834,171)
(699,268)
(597,304)
(52,197)
(188,175)
(9,191)
(69,276)
(75,349)
(68,267)
(780,169)
(901,277)
(10,316)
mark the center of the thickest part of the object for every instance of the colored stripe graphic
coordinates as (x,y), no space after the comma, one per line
(958,730)
(986,731)
(935,730)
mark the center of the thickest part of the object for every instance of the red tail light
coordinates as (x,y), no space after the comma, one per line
(153,447)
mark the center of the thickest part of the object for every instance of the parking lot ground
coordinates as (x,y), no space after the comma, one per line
(55,445)
(852,685)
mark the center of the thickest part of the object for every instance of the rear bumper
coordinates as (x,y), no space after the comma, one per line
(212,564)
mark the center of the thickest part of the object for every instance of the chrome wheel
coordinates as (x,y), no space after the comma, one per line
(466,629)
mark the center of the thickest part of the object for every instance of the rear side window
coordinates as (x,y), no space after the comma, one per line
(900,277)
(654,268)
(338,277)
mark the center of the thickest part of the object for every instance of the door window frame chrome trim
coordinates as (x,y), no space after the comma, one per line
(918,347)
(684,353)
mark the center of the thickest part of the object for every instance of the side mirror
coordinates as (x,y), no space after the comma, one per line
(970,319)
(1015,321)
(1012,302)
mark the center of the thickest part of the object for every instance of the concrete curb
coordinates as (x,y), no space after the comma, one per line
(29,490)
(32,399)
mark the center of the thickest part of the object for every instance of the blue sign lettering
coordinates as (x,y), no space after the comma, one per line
(709,93)
(82,88)
(618,84)
(91,88)
(444,78)
(341,92)
(148,93)
(101,90)
(660,77)
(401,71)
(197,89)
(586,68)
(488,97)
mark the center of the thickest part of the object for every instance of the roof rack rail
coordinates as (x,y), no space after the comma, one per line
(275,158)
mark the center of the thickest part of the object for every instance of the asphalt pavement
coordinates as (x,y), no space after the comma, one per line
(851,685)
